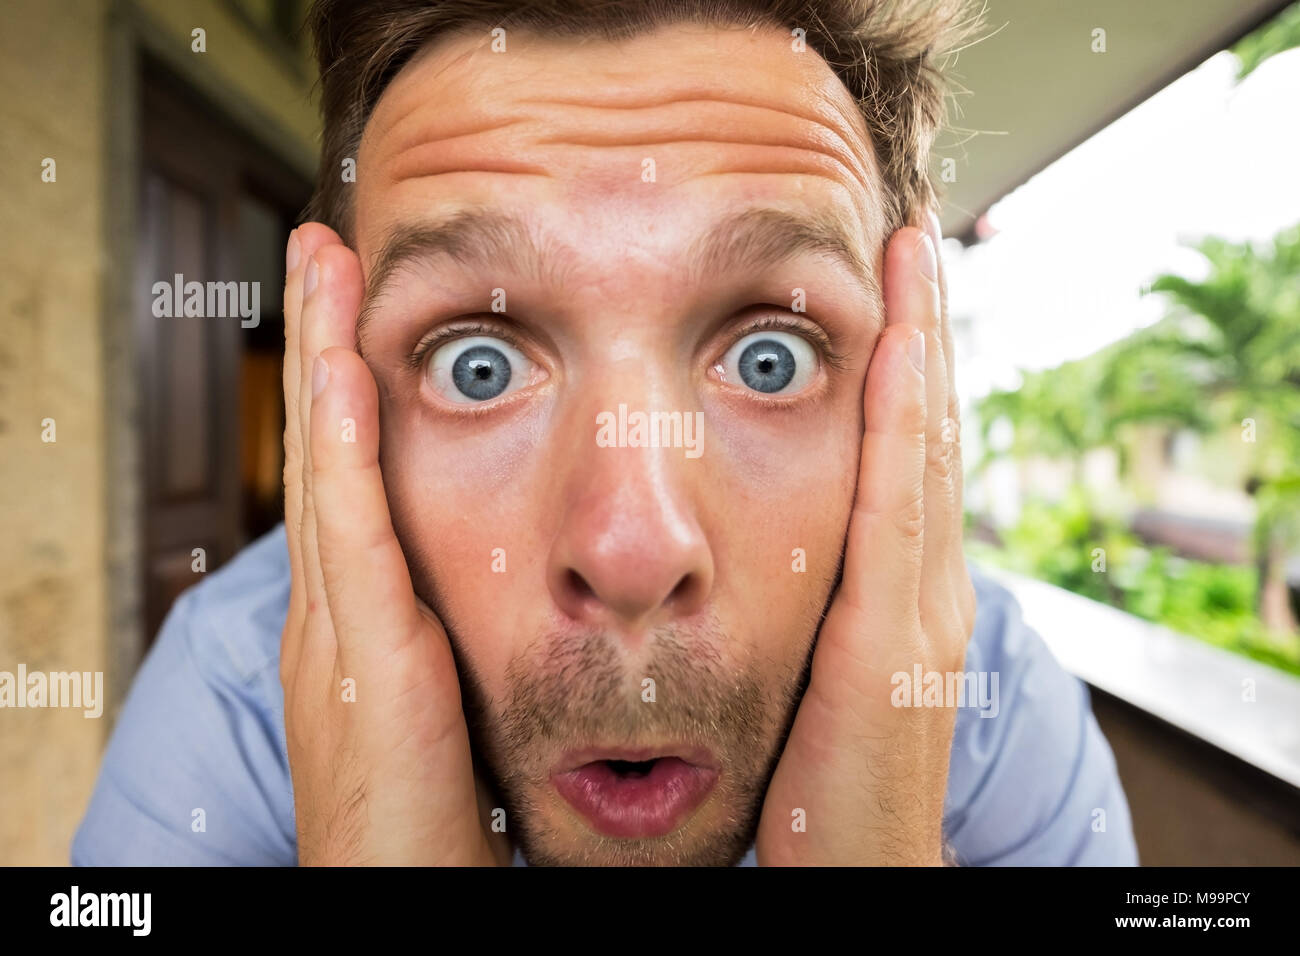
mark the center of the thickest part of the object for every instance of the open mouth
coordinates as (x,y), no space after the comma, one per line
(630,768)
(636,794)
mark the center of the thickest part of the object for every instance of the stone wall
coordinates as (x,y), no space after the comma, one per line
(66,519)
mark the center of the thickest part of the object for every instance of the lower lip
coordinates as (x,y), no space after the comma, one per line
(636,807)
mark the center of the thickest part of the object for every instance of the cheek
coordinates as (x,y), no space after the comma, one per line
(467,504)
(459,494)
(784,491)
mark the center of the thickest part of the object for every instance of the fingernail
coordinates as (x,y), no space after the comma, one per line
(929,264)
(313,274)
(916,351)
(293,254)
(320,376)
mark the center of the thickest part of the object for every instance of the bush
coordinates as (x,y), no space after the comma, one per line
(1058,542)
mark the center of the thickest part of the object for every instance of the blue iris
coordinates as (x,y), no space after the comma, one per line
(766,366)
(481,372)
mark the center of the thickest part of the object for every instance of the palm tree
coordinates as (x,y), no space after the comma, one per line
(1236,336)
(1227,356)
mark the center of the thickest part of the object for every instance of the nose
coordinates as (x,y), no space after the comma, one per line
(630,552)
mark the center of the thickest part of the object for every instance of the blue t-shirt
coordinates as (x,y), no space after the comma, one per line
(203,729)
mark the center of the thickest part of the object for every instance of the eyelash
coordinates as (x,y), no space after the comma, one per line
(770,322)
(813,333)
(447,333)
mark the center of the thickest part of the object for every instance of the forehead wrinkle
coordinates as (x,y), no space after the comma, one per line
(676,139)
(624,88)
(844,134)
(429,161)
(426,136)
(408,159)
(377,126)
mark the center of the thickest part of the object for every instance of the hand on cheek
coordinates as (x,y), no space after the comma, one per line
(862,781)
(378,748)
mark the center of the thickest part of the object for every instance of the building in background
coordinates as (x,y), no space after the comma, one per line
(144,139)
(141,139)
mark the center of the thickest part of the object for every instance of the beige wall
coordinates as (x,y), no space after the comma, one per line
(61,65)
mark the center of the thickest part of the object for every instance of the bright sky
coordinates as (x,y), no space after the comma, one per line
(1078,241)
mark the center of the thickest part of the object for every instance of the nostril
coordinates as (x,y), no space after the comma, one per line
(628,596)
(579,586)
(682,593)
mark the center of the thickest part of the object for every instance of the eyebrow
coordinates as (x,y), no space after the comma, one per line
(754,240)
(474,236)
(761,238)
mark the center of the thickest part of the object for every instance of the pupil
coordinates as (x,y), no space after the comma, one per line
(767,366)
(481,372)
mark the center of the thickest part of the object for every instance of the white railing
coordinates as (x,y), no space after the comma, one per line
(1237,704)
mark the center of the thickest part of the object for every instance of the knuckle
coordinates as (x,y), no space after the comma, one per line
(950,429)
(292,447)
(942,451)
(940,460)
(909,517)
(287,668)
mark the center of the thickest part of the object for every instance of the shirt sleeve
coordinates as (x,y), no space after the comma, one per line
(194,773)
(1036,783)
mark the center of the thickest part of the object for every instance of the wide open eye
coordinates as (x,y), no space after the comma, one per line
(771,362)
(478,368)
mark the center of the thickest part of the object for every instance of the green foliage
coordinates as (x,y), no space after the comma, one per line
(1226,359)
(1279,34)
(1228,351)
(1239,331)
(1051,411)
(1216,603)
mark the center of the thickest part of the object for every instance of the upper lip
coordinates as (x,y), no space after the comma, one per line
(695,755)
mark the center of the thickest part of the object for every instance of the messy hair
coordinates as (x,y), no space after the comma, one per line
(891,55)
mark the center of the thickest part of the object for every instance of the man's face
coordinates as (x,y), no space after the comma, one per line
(558,239)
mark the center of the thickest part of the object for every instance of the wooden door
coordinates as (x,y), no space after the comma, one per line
(213,208)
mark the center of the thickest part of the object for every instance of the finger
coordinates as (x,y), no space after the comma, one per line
(367,584)
(332,295)
(882,561)
(935,232)
(332,291)
(302,244)
(912,297)
(952,427)
(960,574)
